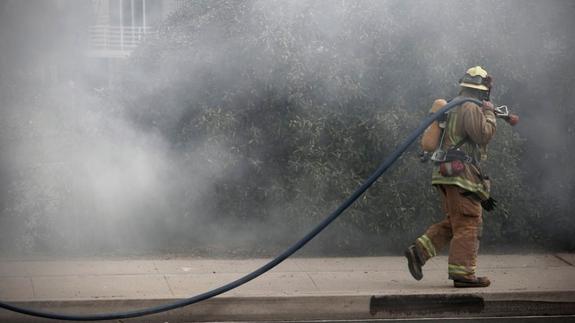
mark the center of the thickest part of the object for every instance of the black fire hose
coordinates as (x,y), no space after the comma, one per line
(263,269)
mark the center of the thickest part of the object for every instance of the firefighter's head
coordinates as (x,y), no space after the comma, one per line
(476,82)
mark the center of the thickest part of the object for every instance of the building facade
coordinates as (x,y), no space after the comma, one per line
(117,28)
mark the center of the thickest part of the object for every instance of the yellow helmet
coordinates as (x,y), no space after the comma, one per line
(476,78)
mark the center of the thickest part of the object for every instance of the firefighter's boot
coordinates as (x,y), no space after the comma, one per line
(461,282)
(415,261)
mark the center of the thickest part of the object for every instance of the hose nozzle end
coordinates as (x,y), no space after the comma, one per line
(512,119)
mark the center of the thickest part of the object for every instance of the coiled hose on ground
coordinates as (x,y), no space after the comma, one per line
(274,262)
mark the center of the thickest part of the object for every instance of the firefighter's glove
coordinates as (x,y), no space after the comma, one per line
(487,105)
(489,205)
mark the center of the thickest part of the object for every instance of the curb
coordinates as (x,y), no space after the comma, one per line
(336,307)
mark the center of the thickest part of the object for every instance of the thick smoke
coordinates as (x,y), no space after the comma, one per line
(77,176)
(154,163)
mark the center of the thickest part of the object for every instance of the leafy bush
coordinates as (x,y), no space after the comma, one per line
(305,113)
(243,123)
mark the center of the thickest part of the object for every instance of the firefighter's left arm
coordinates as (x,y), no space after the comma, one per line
(479,123)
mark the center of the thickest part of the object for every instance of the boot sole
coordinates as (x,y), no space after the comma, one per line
(460,284)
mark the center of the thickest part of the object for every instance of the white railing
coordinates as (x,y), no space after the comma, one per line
(117,38)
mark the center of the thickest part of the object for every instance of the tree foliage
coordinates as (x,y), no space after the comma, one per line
(307,98)
(254,119)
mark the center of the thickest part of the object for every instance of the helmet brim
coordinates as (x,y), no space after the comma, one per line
(474,86)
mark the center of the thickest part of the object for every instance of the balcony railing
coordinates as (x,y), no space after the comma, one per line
(117,40)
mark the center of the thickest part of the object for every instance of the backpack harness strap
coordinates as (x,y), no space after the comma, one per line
(453,153)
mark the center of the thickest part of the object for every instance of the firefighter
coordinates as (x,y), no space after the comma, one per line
(464,190)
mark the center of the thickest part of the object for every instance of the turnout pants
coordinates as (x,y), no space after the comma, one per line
(461,229)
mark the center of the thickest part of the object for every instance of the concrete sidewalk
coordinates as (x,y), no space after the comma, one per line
(298,289)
